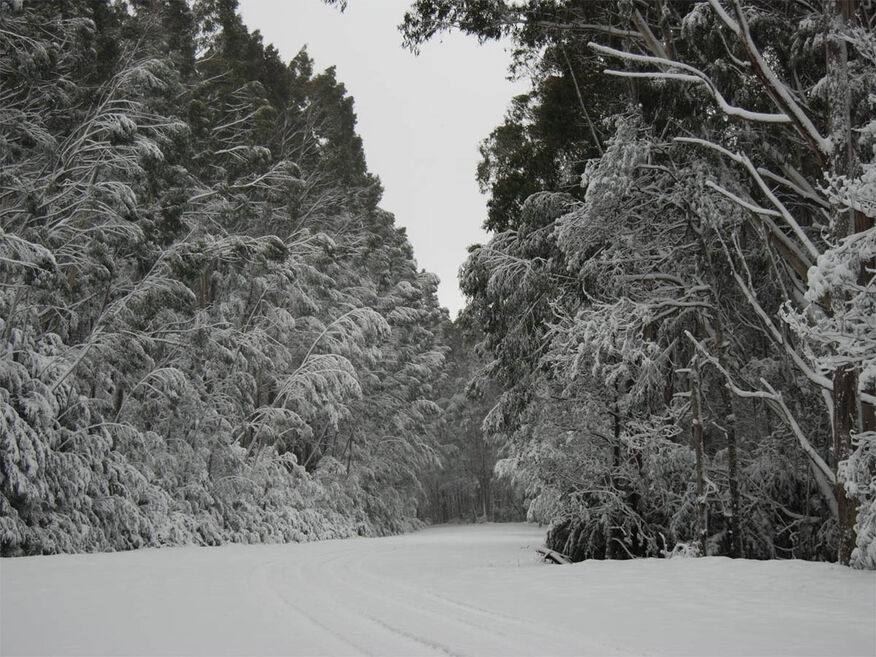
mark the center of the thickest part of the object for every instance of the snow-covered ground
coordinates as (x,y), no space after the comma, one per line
(454,590)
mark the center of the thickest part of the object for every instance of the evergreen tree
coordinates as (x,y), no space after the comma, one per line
(210,331)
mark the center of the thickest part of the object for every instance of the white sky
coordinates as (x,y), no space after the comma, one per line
(421,118)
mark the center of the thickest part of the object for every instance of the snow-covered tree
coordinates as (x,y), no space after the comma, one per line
(192,320)
(719,243)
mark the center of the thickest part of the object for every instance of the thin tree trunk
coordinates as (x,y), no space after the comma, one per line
(611,551)
(732,462)
(843,162)
(732,474)
(845,411)
(727,401)
(488,498)
(696,430)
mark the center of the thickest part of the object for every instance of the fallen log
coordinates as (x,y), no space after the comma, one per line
(553,556)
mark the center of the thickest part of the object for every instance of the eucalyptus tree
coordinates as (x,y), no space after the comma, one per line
(817,110)
(773,124)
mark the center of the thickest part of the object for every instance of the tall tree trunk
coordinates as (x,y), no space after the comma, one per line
(839,13)
(613,538)
(726,398)
(696,429)
(732,462)
(732,474)
(844,414)
(486,480)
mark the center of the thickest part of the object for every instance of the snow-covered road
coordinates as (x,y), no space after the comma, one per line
(466,590)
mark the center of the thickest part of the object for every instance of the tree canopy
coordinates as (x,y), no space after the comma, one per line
(210,330)
(677,297)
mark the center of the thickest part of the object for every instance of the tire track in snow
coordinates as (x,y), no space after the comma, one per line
(463,606)
(536,636)
(450,602)
(368,634)
(481,631)
(374,613)
(263,583)
(372,595)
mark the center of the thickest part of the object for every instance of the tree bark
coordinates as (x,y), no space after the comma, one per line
(613,537)
(732,462)
(696,429)
(843,162)
(844,415)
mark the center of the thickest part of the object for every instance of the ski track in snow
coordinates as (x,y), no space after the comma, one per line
(453,590)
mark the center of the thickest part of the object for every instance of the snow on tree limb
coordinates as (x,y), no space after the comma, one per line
(692,75)
(780,93)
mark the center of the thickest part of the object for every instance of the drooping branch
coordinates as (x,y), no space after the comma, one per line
(824,476)
(761,183)
(777,90)
(690,74)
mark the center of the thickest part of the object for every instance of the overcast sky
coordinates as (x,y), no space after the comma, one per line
(421,118)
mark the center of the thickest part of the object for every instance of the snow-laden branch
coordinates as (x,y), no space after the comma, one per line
(790,251)
(693,75)
(745,162)
(797,187)
(778,338)
(739,201)
(655,276)
(777,89)
(824,476)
